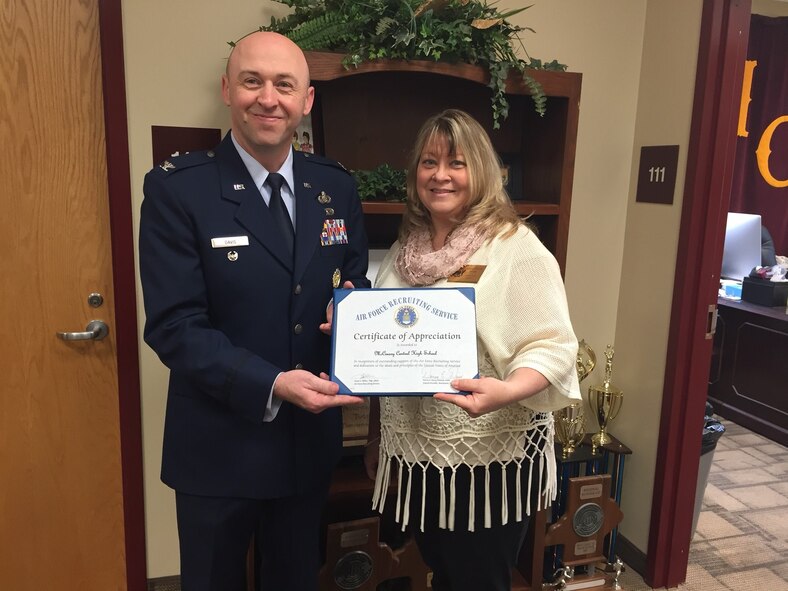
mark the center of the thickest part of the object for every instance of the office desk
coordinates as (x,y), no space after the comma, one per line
(748,377)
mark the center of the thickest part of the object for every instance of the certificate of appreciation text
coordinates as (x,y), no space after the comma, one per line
(403,341)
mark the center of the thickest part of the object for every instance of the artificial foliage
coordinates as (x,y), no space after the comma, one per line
(382,183)
(468,31)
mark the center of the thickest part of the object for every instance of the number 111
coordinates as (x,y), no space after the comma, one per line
(656,174)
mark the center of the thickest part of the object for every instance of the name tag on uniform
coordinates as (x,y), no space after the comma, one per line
(229,241)
(467,274)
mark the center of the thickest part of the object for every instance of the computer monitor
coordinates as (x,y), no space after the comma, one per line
(742,249)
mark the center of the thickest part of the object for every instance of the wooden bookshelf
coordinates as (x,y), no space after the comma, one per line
(369,115)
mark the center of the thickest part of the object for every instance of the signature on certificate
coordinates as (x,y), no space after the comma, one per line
(437,376)
(366,379)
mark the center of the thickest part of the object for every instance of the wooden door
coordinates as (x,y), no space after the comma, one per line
(61,496)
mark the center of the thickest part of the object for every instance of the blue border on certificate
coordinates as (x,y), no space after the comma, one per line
(340,294)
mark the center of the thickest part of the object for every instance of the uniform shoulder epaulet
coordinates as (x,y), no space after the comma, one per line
(324,161)
(183,161)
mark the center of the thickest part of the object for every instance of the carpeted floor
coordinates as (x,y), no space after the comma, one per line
(741,542)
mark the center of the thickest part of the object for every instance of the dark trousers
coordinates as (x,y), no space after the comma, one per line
(215,533)
(481,560)
(472,561)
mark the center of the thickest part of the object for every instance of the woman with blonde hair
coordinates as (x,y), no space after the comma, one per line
(472,468)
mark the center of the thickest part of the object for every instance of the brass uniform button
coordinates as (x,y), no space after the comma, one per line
(297,290)
(299,366)
(298,329)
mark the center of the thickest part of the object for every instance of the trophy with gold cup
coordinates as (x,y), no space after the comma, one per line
(586,360)
(605,401)
(570,422)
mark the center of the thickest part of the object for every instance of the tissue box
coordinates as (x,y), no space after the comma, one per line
(764,292)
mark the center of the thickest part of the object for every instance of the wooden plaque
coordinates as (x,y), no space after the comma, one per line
(356,560)
(171,141)
(589,516)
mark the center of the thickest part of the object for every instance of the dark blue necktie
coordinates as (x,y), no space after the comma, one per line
(279,211)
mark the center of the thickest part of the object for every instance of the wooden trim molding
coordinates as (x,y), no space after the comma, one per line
(721,57)
(121,226)
(325,65)
(632,556)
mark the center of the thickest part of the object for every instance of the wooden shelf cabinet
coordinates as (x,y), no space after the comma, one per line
(370,115)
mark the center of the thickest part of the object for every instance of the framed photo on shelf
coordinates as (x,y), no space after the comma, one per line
(304,139)
(512,173)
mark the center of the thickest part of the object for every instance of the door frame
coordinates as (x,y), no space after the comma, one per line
(125,288)
(712,148)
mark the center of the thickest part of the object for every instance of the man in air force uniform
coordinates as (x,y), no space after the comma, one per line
(233,309)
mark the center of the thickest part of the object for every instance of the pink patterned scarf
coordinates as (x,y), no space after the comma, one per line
(418,264)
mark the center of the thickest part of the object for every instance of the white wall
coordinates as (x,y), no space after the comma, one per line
(175,54)
(602,39)
(637,60)
(770,7)
(667,85)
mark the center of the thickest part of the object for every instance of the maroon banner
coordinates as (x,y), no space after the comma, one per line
(760,175)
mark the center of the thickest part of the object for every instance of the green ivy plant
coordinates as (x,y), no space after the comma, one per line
(469,31)
(382,183)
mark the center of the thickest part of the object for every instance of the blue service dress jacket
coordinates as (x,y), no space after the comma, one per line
(227,309)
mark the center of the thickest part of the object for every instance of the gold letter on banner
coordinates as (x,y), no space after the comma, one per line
(746,88)
(764,150)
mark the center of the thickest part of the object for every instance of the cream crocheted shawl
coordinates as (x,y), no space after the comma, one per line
(522,321)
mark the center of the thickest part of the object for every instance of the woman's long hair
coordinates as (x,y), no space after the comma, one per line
(489,205)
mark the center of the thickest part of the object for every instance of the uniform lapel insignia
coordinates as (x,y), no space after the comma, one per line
(238,187)
(166,165)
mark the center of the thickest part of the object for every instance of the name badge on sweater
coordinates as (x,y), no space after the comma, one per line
(467,274)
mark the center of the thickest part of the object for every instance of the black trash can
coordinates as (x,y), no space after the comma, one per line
(712,431)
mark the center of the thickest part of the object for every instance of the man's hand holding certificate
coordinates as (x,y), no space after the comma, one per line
(403,341)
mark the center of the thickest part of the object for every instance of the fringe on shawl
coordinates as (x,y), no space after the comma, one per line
(543,463)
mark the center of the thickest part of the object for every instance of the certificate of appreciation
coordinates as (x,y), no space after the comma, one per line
(403,341)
